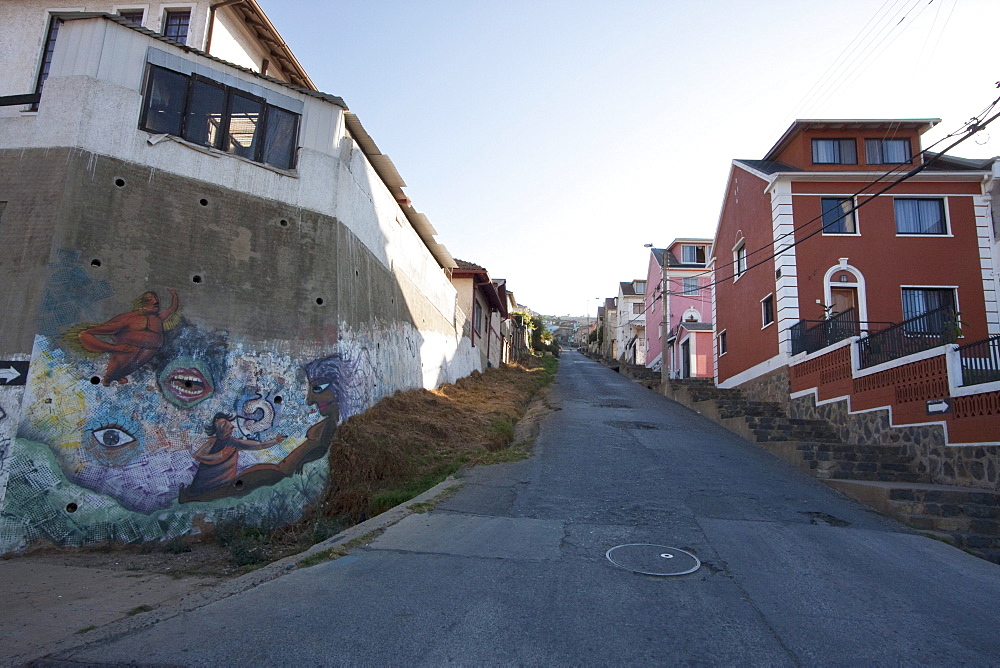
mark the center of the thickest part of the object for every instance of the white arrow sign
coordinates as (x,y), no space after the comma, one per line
(938,407)
(9,374)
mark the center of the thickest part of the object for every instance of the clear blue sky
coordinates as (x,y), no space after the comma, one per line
(548,140)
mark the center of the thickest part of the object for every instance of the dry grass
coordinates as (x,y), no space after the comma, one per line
(409,442)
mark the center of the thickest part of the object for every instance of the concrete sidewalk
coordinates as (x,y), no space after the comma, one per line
(52,602)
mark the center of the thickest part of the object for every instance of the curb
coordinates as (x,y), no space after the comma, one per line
(224,590)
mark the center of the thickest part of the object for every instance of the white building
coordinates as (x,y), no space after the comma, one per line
(630,332)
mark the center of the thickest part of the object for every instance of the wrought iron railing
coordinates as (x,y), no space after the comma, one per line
(930,330)
(980,361)
(810,338)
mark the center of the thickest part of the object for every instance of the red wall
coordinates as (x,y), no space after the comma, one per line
(746,213)
(888,261)
(798,153)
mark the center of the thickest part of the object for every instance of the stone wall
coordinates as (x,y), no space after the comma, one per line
(963,466)
(773,386)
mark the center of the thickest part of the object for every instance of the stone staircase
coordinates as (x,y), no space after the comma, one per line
(882,477)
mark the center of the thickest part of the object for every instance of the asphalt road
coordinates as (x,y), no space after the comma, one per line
(512,569)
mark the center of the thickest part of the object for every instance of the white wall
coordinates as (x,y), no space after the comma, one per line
(93,100)
(24,24)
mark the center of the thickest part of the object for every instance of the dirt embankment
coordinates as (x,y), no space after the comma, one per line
(413,440)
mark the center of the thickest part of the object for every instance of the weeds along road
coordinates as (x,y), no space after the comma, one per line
(512,568)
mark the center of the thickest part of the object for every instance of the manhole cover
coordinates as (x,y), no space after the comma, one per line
(648,559)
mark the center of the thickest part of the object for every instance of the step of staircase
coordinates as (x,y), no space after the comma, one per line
(966,518)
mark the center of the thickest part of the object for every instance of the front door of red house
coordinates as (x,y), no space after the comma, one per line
(843,299)
(686,359)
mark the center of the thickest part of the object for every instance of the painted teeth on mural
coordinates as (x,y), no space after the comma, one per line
(188,385)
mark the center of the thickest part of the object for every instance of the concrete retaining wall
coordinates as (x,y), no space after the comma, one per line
(273,322)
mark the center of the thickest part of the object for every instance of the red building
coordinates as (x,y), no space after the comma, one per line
(853,288)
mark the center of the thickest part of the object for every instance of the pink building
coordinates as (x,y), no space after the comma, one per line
(654,309)
(679,302)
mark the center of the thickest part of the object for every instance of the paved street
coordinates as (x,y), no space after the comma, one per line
(512,569)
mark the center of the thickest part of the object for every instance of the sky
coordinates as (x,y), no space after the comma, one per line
(549,140)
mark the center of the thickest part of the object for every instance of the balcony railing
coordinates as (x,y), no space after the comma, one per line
(810,338)
(980,361)
(930,330)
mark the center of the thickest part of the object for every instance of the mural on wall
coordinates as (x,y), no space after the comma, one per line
(137,428)
(114,444)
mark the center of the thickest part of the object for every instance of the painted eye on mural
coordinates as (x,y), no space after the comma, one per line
(317,389)
(112,436)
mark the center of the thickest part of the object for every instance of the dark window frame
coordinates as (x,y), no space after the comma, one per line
(942,207)
(699,250)
(841,142)
(258,135)
(875,147)
(168,15)
(767,311)
(739,260)
(842,219)
(222,140)
(909,301)
(126,12)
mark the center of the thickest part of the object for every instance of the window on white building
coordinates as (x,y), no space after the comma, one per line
(132,15)
(47,51)
(205,112)
(176,23)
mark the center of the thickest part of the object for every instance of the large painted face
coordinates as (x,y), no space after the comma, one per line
(325,379)
(134,442)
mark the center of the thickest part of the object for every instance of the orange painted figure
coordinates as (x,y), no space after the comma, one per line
(135,336)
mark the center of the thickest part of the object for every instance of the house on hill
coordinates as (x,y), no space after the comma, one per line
(630,331)
(484,302)
(678,306)
(842,289)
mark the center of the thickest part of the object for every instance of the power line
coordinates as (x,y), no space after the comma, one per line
(970,129)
